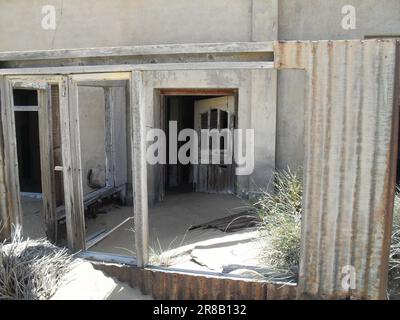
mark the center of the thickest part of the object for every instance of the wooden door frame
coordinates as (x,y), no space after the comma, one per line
(42,84)
(72,168)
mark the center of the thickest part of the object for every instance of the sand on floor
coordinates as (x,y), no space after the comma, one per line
(83,282)
(169,222)
(171,243)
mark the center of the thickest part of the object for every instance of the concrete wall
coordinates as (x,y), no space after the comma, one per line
(321,19)
(94,23)
(256,110)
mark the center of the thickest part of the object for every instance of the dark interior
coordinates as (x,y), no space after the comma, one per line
(28,147)
(180,109)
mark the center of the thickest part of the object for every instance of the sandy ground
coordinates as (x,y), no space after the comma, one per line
(171,242)
(32,218)
(84,282)
(169,222)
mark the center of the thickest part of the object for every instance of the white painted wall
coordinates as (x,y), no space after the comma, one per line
(92,134)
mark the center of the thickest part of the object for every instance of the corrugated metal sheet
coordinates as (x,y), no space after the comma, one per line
(350,149)
(172,285)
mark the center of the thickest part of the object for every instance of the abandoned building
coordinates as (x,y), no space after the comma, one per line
(78,102)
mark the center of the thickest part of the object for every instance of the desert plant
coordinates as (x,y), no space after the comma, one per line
(31,269)
(280,212)
(394,257)
(158,255)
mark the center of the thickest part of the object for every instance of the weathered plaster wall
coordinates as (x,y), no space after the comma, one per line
(256,109)
(321,19)
(94,23)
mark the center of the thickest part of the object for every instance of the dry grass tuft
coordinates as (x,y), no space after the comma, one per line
(31,269)
(280,212)
(394,258)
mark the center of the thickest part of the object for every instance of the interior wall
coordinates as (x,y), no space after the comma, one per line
(92,134)
(120,136)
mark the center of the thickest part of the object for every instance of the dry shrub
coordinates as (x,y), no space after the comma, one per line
(280,212)
(31,269)
(394,258)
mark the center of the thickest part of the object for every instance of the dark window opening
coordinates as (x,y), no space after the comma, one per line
(24,97)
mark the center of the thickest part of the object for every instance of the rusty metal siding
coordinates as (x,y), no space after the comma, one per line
(350,140)
(172,285)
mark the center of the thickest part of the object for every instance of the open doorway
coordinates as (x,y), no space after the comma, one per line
(210,111)
(29,168)
(199,222)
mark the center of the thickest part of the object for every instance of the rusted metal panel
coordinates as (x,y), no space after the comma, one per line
(350,143)
(172,285)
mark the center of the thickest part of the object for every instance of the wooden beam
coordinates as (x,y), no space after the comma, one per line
(71,157)
(10,158)
(138,136)
(104,83)
(47,163)
(109,129)
(28,84)
(26,108)
(5,228)
(194,48)
(107,258)
(198,92)
(138,67)
(101,79)
(101,236)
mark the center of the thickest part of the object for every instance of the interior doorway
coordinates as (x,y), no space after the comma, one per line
(210,110)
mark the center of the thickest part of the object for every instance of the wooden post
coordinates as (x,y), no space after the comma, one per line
(138,136)
(5,229)
(13,204)
(109,128)
(47,163)
(71,157)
